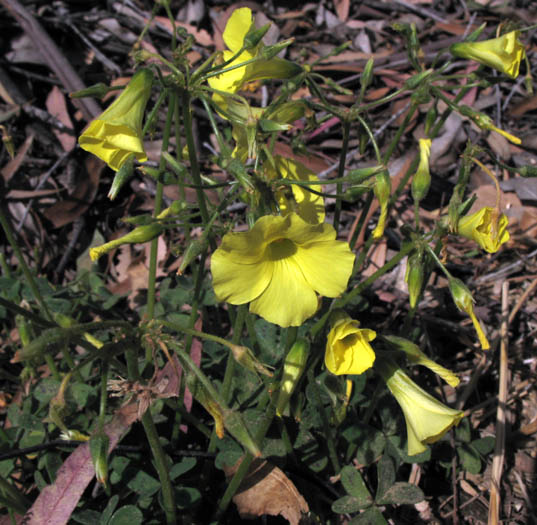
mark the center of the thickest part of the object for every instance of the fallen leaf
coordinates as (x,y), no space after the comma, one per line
(266,490)
(56,502)
(57,107)
(342,9)
(14,164)
(69,209)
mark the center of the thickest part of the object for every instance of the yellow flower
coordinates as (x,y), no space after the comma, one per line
(238,25)
(422,178)
(427,419)
(503,53)
(278,266)
(347,347)
(117,133)
(485,228)
(308,205)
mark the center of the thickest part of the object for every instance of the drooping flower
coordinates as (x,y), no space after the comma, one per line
(308,205)
(347,347)
(238,26)
(503,53)
(279,265)
(117,133)
(427,419)
(485,228)
(422,178)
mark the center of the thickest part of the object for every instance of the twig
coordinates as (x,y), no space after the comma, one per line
(499,449)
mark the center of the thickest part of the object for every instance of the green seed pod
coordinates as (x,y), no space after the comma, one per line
(293,368)
(366,77)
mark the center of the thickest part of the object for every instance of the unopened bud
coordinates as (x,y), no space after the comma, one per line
(254,36)
(97,90)
(414,277)
(122,176)
(99,444)
(421,181)
(293,368)
(137,236)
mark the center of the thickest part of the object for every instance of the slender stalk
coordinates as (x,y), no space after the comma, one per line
(399,133)
(152,278)
(168,496)
(192,154)
(341,170)
(235,482)
(27,273)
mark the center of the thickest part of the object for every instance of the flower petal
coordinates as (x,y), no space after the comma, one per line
(238,283)
(238,25)
(288,300)
(327,266)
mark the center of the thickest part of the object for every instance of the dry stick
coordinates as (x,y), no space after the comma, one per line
(499,449)
(522,300)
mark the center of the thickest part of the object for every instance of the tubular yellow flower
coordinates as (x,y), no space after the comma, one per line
(503,53)
(239,24)
(422,178)
(117,132)
(427,419)
(278,266)
(308,205)
(485,228)
(347,347)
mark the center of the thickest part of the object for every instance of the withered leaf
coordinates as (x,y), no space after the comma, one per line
(267,490)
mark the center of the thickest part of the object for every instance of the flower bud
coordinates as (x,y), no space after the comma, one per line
(98,445)
(464,301)
(254,36)
(122,176)
(97,90)
(417,357)
(293,368)
(245,357)
(414,276)
(366,77)
(137,236)
(422,178)
(382,189)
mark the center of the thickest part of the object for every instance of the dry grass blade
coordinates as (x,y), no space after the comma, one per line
(499,449)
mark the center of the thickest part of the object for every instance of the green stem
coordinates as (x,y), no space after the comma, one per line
(192,154)
(161,464)
(332,453)
(27,273)
(152,277)
(399,133)
(235,482)
(341,170)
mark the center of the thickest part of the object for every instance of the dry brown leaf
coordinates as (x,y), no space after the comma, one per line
(14,164)
(68,210)
(266,490)
(57,107)
(528,104)
(56,502)
(342,9)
